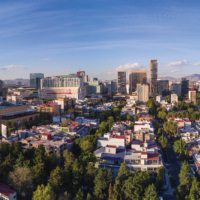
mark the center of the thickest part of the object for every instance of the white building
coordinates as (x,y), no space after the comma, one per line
(174,98)
(61,87)
(117,140)
(7,193)
(139,125)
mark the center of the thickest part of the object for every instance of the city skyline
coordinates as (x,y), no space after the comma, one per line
(99,38)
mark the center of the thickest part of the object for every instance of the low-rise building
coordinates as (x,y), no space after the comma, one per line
(6,193)
(108,139)
(143,161)
(110,157)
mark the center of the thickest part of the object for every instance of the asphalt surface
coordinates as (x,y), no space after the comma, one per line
(174,165)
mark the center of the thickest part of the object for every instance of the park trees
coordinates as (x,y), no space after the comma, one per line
(44,193)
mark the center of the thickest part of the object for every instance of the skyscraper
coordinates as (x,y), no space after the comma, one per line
(184,86)
(82,73)
(136,77)
(1,88)
(153,73)
(121,82)
(163,87)
(35,79)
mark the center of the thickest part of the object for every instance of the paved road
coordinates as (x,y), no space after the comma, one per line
(173,164)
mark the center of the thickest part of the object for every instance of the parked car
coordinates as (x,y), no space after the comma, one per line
(171,171)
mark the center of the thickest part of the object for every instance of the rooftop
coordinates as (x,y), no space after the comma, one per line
(5,190)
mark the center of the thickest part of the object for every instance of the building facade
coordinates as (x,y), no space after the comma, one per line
(174,98)
(1,88)
(184,86)
(68,86)
(192,96)
(121,82)
(143,92)
(35,79)
(176,88)
(163,87)
(153,73)
(136,77)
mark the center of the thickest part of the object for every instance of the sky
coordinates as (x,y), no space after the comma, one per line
(58,37)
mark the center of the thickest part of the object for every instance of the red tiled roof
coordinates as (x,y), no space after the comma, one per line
(153,156)
(119,136)
(197,164)
(143,153)
(5,190)
(111,146)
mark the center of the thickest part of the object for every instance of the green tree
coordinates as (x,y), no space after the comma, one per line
(194,190)
(65,122)
(100,185)
(120,180)
(76,176)
(44,193)
(13,125)
(39,173)
(79,195)
(55,179)
(160,177)
(87,146)
(185,180)
(69,159)
(89,196)
(22,180)
(150,193)
(134,187)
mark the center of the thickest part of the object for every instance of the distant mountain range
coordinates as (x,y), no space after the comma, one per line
(193,78)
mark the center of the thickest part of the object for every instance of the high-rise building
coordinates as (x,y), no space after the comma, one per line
(121,82)
(70,86)
(192,96)
(35,79)
(112,87)
(176,88)
(174,98)
(153,73)
(93,79)
(85,78)
(82,73)
(184,86)
(163,87)
(1,88)
(136,77)
(95,87)
(143,92)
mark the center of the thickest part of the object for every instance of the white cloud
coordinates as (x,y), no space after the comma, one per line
(197,64)
(128,66)
(45,59)
(12,67)
(177,64)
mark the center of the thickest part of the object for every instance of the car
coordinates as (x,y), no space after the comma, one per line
(171,171)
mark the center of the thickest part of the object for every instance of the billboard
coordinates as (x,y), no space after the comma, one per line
(4,130)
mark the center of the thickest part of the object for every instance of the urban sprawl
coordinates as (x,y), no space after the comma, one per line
(69,137)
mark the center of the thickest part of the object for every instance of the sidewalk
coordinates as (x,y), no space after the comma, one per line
(170,190)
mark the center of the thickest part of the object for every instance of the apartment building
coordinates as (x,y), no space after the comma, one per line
(108,139)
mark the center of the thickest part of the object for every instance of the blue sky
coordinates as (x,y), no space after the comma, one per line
(98,36)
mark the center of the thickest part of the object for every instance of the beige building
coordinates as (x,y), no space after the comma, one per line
(143,92)
(136,77)
(16,113)
(192,96)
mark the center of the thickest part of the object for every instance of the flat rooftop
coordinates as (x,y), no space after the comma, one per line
(6,104)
